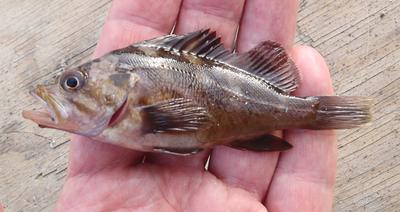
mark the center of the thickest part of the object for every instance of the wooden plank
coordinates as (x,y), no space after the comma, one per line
(35,36)
(360,40)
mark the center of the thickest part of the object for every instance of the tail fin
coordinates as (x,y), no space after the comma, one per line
(335,112)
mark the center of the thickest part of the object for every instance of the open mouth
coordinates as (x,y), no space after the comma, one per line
(119,114)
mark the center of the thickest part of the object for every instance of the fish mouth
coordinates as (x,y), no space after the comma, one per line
(45,117)
(119,114)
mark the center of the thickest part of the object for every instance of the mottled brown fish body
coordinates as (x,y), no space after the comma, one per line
(181,94)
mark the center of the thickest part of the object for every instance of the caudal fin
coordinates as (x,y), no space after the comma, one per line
(335,112)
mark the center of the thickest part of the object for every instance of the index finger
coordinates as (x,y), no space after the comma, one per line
(128,21)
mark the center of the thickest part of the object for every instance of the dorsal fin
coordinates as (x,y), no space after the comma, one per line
(269,61)
(201,43)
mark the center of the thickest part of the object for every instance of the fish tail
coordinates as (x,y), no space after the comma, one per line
(334,112)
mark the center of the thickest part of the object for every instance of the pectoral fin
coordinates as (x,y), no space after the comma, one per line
(265,143)
(175,115)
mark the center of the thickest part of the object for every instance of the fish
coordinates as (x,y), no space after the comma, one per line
(181,94)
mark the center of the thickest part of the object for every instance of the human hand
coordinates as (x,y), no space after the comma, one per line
(103,177)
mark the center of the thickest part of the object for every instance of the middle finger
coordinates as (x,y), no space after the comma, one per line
(220,15)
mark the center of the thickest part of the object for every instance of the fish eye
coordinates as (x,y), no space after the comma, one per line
(71,81)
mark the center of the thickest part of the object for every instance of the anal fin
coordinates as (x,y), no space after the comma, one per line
(264,143)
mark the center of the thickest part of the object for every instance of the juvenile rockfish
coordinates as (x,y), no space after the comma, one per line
(181,94)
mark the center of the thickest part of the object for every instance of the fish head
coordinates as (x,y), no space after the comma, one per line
(83,100)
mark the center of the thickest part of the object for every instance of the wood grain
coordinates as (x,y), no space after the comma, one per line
(360,40)
(35,37)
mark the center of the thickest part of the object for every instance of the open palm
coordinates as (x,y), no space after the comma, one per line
(103,177)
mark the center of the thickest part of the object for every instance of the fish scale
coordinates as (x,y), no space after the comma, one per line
(180,94)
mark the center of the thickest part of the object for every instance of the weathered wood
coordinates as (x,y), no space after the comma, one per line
(360,40)
(34,37)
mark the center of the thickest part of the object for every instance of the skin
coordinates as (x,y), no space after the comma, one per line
(103,177)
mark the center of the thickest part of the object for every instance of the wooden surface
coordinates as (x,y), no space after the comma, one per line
(359,38)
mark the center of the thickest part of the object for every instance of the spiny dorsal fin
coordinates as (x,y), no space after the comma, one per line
(269,61)
(201,43)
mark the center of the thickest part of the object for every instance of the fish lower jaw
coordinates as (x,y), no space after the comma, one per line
(42,117)
(46,111)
